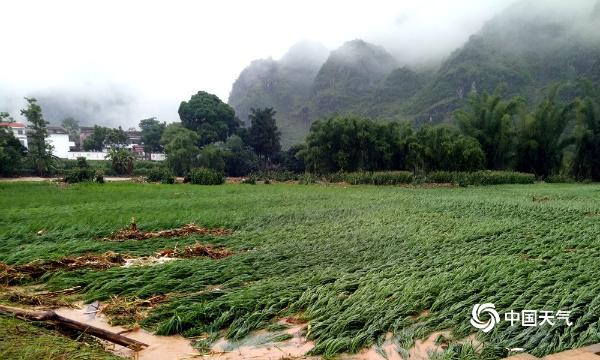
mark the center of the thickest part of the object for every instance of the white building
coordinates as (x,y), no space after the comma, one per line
(88,155)
(158,157)
(18,129)
(59,139)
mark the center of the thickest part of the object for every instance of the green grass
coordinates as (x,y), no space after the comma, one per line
(355,261)
(22,340)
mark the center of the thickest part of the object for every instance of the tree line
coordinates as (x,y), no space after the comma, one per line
(490,132)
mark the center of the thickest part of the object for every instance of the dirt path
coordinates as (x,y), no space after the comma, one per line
(39,179)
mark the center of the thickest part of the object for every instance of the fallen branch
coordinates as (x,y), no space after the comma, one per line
(74,325)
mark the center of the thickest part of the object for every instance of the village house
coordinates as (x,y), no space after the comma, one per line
(18,129)
(64,148)
(59,139)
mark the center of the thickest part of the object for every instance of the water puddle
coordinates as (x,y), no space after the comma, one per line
(160,347)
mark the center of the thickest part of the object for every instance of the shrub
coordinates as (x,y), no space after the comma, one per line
(442,177)
(391,178)
(205,176)
(307,178)
(500,177)
(251,179)
(162,175)
(480,177)
(99,178)
(78,175)
(167,178)
(556,179)
(372,178)
(82,172)
(122,161)
(275,175)
(453,177)
(154,175)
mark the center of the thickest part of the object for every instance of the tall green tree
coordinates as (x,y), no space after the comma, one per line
(95,142)
(5,117)
(293,159)
(442,147)
(489,119)
(40,152)
(342,143)
(116,138)
(350,143)
(586,138)
(539,145)
(72,127)
(209,117)
(180,148)
(240,160)
(152,130)
(12,153)
(264,136)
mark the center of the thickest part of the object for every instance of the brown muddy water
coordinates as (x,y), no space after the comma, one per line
(254,347)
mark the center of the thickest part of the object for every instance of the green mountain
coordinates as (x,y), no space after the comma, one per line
(527,48)
(284,85)
(354,71)
(522,49)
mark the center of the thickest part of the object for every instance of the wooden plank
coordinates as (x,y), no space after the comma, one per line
(74,325)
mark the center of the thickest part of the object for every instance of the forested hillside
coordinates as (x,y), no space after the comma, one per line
(519,48)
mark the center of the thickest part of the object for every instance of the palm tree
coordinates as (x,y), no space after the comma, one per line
(490,121)
(122,160)
(539,147)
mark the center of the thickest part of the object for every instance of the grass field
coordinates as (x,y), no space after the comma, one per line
(356,262)
(21,340)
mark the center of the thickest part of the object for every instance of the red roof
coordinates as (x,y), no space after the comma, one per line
(12,124)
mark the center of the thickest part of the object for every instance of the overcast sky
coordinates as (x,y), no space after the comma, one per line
(154,54)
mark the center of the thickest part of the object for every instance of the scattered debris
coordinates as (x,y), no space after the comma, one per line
(128,311)
(14,274)
(64,322)
(191,251)
(202,250)
(133,233)
(148,261)
(50,299)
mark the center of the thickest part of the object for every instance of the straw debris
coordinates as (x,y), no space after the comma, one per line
(133,233)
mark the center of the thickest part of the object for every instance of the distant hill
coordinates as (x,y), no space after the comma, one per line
(284,85)
(354,71)
(527,48)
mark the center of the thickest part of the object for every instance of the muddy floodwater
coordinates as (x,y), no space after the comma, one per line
(254,347)
(160,347)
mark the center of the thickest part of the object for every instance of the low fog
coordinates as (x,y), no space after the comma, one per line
(114,63)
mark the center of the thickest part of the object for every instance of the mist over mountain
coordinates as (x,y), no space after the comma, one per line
(354,70)
(103,104)
(284,85)
(111,107)
(528,47)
